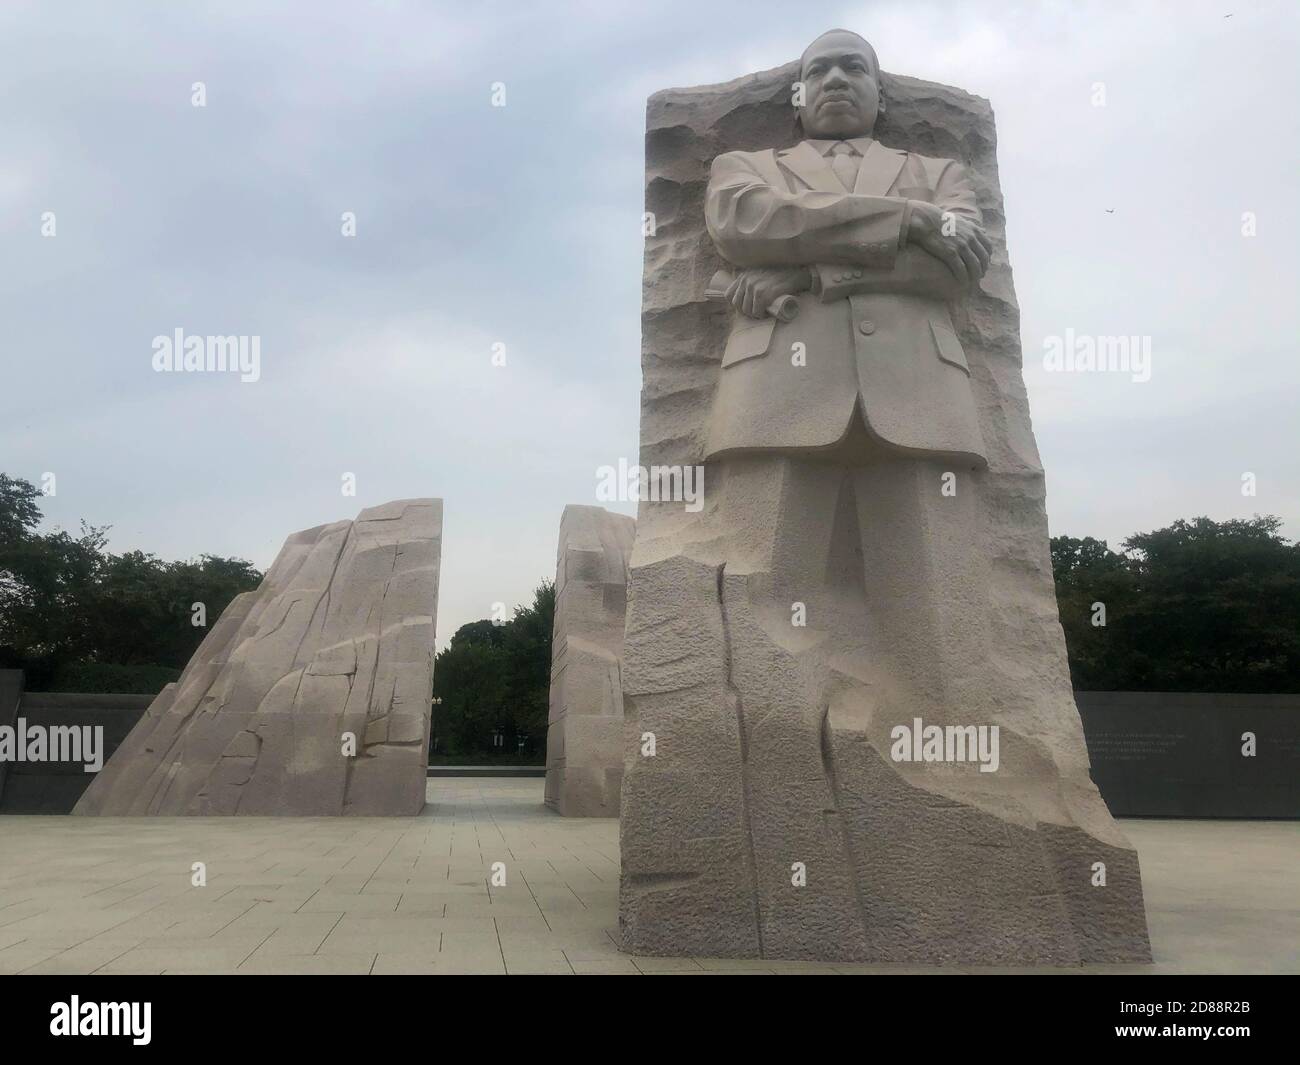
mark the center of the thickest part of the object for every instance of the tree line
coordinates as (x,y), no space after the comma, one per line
(77,617)
(1197,606)
(491,687)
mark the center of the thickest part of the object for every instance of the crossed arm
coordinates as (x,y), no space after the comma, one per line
(842,244)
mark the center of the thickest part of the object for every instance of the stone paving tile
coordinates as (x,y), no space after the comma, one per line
(59,930)
(536,962)
(414,894)
(341,902)
(9,937)
(521,907)
(666,965)
(279,896)
(767,964)
(587,963)
(281,942)
(84,958)
(22,956)
(387,941)
(12,916)
(406,964)
(522,926)
(309,964)
(186,955)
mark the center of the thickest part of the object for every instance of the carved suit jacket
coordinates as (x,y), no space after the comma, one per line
(876,333)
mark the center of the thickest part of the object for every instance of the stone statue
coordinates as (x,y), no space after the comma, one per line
(584,731)
(850,731)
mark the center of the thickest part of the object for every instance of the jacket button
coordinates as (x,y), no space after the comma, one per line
(867,328)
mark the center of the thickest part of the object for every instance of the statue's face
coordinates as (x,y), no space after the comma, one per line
(841,89)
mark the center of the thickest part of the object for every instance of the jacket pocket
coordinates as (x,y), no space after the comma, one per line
(916,192)
(948,346)
(748,340)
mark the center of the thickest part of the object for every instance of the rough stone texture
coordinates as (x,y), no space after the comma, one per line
(584,736)
(339,637)
(773,743)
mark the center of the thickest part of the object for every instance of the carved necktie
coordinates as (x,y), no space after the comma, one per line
(844,161)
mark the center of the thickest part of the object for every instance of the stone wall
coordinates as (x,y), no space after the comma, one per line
(1187,754)
(55,787)
(11,690)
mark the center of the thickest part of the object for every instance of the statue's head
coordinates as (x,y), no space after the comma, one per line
(841,77)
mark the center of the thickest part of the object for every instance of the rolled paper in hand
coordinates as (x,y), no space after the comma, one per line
(783,308)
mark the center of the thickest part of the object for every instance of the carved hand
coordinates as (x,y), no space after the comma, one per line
(964,248)
(754,289)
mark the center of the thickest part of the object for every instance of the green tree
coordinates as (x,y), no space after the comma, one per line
(469,682)
(69,608)
(20,512)
(45,585)
(1197,606)
(1089,574)
(528,656)
(148,604)
(493,680)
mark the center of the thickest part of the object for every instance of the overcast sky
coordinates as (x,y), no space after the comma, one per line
(480,225)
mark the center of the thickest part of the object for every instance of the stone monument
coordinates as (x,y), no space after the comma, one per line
(584,733)
(311,695)
(850,727)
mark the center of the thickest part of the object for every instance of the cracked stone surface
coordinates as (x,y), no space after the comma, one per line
(584,733)
(773,742)
(338,639)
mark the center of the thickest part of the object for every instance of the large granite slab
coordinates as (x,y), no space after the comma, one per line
(584,733)
(337,642)
(773,818)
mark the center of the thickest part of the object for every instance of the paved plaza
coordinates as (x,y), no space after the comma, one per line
(414,895)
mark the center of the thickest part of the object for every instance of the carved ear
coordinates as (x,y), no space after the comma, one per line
(881,109)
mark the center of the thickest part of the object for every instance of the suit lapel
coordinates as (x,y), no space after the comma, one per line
(879,168)
(807,164)
(877,172)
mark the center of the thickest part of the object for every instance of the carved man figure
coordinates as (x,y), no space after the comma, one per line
(881,239)
(845,452)
(870,561)
(852,428)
